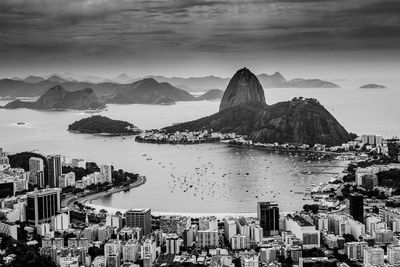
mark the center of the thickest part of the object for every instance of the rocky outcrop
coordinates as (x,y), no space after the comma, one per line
(243,88)
(297,121)
(58,98)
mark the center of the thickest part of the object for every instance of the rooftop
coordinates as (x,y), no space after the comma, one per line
(301,221)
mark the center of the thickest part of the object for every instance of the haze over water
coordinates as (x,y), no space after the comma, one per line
(204,178)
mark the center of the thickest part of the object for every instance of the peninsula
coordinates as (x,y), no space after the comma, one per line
(243,110)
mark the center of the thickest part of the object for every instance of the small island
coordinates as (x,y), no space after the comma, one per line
(372,86)
(104,126)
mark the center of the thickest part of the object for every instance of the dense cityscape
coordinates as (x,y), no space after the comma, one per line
(354,219)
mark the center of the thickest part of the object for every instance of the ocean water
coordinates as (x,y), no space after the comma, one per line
(207,178)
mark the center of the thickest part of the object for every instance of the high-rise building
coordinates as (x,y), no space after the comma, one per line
(239,242)
(130,251)
(230,228)
(303,230)
(173,244)
(188,237)
(112,253)
(374,256)
(267,255)
(148,253)
(36,168)
(106,171)
(54,169)
(355,250)
(393,254)
(42,205)
(268,215)
(357,207)
(207,238)
(139,218)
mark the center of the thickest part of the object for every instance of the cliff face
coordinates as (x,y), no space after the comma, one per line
(58,98)
(243,88)
(297,121)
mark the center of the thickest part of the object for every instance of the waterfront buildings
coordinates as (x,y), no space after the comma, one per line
(139,218)
(303,230)
(42,205)
(268,215)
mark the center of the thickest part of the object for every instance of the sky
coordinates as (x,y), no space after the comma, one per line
(309,38)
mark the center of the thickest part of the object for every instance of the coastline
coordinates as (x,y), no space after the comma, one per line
(67,202)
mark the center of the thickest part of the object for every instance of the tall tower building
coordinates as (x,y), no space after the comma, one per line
(36,168)
(268,215)
(42,205)
(54,170)
(139,218)
(357,207)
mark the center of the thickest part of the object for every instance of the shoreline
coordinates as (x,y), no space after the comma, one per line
(67,202)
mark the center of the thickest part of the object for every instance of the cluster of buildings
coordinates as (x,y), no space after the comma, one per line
(368,143)
(183,137)
(366,233)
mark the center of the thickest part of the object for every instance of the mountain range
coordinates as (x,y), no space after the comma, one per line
(58,98)
(35,86)
(243,110)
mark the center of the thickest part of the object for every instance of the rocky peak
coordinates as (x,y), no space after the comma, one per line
(277,77)
(243,88)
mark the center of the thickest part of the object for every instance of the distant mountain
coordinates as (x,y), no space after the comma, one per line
(213,94)
(194,84)
(122,78)
(310,83)
(33,79)
(297,121)
(57,79)
(58,98)
(372,86)
(275,80)
(102,125)
(149,91)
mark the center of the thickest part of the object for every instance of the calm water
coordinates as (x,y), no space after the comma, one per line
(211,178)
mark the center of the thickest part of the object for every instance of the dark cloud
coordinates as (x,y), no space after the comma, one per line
(138,29)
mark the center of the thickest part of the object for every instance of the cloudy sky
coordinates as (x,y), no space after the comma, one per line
(309,38)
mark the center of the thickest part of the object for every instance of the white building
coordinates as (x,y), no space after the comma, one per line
(303,230)
(239,242)
(173,244)
(106,171)
(207,238)
(130,251)
(230,228)
(393,254)
(374,256)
